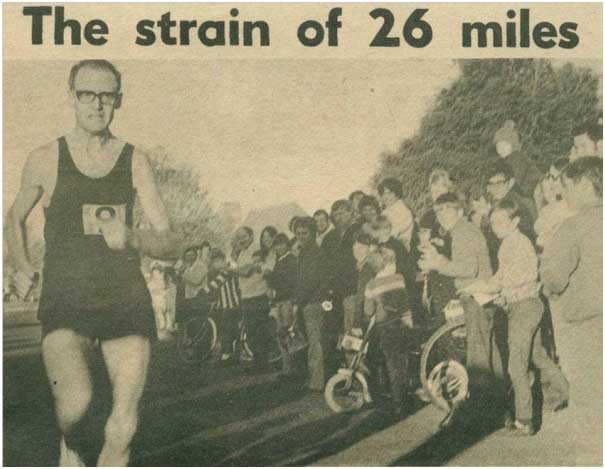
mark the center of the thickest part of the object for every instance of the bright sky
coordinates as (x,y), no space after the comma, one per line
(260,132)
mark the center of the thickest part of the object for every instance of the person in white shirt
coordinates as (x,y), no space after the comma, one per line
(396,211)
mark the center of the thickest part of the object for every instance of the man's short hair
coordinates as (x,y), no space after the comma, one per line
(292,223)
(249,231)
(369,201)
(509,206)
(96,64)
(340,205)
(591,168)
(306,222)
(192,249)
(499,166)
(216,253)
(321,211)
(440,175)
(281,238)
(450,198)
(392,184)
(355,194)
(593,129)
(560,163)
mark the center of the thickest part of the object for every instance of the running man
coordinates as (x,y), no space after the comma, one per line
(93,288)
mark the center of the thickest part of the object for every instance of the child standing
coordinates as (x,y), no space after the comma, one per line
(158,289)
(223,287)
(385,297)
(517,283)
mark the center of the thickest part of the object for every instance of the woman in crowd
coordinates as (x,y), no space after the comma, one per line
(369,209)
(266,245)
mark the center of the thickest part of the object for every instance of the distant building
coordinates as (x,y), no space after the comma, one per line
(275,215)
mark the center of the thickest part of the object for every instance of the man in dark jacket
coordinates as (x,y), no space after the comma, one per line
(308,300)
(282,280)
(342,274)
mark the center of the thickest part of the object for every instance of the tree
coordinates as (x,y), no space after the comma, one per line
(186,203)
(545,103)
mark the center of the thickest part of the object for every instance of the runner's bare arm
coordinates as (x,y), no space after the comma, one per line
(160,242)
(30,193)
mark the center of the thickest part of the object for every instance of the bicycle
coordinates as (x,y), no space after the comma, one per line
(443,359)
(348,389)
(441,370)
(196,340)
(246,353)
(197,333)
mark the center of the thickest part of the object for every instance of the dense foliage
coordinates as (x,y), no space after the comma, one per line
(186,203)
(545,102)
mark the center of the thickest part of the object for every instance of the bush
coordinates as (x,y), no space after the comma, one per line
(545,103)
(186,203)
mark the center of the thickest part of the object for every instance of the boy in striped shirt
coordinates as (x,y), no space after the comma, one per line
(225,295)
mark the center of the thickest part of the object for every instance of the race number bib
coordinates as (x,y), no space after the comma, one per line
(95,216)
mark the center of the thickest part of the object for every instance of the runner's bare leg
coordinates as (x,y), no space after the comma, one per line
(127,360)
(65,357)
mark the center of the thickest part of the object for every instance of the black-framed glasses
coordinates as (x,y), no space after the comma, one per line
(497,182)
(554,177)
(106,97)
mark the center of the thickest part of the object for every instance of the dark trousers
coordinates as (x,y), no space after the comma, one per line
(255,314)
(229,330)
(389,348)
(483,358)
(525,347)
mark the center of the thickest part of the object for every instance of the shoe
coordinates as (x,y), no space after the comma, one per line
(451,419)
(423,394)
(521,429)
(561,405)
(509,422)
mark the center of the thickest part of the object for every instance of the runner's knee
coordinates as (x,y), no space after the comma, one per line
(72,408)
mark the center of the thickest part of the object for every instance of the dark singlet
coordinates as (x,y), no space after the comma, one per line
(88,287)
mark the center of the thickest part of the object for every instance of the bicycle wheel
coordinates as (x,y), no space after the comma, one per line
(345,393)
(196,340)
(448,343)
(246,352)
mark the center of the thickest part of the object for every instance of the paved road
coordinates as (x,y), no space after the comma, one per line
(191,416)
(215,416)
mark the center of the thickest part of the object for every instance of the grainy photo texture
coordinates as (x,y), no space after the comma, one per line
(276,261)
